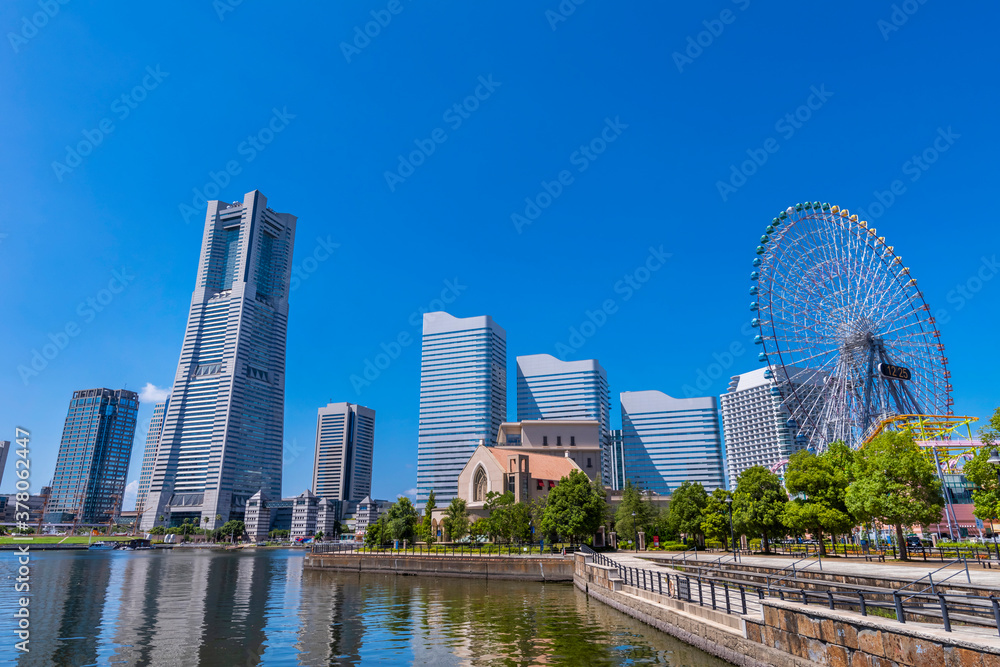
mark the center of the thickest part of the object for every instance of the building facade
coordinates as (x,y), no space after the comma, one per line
(668,441)
(223,429)
(89,481)
(4,453)
(617,459)
(345,444)
(463,397)
(305,515)
(548,388)
(756,426)
(576,439)
(153,436)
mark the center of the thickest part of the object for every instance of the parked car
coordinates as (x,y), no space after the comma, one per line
(914,542)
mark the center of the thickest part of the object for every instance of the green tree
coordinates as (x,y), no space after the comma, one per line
(687,504)
(426,526)
(456,520)
(895,484)
(715,517)
(508,520)
(841,457)
(401,520)
(983,475)
(634,513)
(377,533)
(820,488)
(318,537)
(479,529)
(233,528)
(758,503)
(575,508)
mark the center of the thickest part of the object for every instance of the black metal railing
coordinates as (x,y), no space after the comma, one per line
(477,550)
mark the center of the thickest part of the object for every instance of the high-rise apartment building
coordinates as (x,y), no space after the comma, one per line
(89,481)
(669,441)
(548,388)
(757,429)
(222,434)
(345,441)
(149,455)
(463,397)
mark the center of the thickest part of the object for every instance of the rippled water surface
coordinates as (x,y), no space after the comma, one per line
(186,607)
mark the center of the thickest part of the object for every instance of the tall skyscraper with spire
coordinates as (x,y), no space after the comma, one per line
(222,433)
(463,398)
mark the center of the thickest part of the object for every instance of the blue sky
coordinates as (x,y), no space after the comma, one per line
(166,97)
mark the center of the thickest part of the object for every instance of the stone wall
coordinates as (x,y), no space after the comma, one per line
(847,639)
(523,568)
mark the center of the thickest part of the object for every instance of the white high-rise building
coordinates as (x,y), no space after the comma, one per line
(755,425)
(345,442)
(222,433)
(548,388)
(153,436)
(463,398)
(668,441)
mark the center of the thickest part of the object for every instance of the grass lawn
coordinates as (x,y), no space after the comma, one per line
(55,539)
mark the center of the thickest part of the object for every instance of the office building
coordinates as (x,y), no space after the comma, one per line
(617,459)
(4,453)
(149,455)
(756,426)
(345,442)
(89,481)
(668,441)
(463,397)
(222,433)
(548,388)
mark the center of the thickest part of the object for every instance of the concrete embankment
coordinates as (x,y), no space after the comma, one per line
(785,633)
(523,568)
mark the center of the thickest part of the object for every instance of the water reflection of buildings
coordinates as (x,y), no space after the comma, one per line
(330,615)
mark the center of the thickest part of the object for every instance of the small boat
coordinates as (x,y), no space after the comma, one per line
(102,546)
(133,545)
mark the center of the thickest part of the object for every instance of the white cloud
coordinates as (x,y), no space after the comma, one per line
(409,492)
(153,394)
(131,491)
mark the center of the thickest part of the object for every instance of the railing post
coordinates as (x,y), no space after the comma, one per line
(996,612)
(711,591)
(829,595)
(900,615)
(701,593)
(864,607)
(743,599)
(944,613)
(725,587)
(659,579)
(805,598)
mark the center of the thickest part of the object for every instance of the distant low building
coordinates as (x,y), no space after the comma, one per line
(366,513)
(36,507)
(303,515)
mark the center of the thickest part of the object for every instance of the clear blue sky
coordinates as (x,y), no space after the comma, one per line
(678,123)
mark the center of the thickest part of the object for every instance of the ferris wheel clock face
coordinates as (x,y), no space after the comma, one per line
(842,326)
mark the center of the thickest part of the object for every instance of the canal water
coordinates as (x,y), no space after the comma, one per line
(261,607)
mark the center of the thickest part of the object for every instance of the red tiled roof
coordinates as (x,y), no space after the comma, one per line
(540,466)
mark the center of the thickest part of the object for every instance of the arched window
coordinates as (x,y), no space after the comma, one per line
(479,486)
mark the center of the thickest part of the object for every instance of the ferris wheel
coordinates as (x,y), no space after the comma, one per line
(846,334)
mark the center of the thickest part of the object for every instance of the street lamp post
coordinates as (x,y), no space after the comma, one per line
(995,460)
(732,535)
(635,534)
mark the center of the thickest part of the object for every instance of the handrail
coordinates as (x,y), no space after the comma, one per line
(684,553)
(794,572)
(932,586)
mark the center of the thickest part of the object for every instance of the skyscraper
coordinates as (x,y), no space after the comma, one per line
(669,441)
(345,441)
(94,453)
(4,452)
(149,455)
(548,388)
(757,428)
(463,397)
(222,434)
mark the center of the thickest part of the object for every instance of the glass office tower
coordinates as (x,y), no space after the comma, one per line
(345,443)
(463,397)
(222,434)
(89,482)
(153,436)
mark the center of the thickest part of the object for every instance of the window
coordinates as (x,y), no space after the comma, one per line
(572,441)
(545,441)
(558,441)
(589,464)
(510,483)
(541,485)
(479,486)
